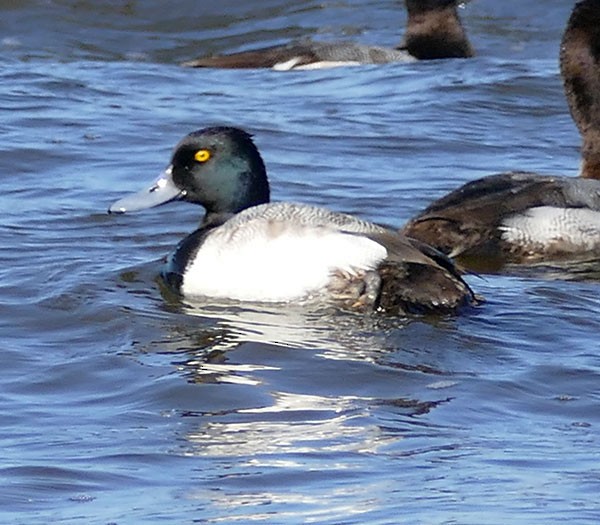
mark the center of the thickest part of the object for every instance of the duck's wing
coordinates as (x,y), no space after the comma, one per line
(304,55)
(471,215)
(417,278)
(267,57)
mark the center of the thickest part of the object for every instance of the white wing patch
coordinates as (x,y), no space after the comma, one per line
(328,64)
(290,64)
(287,65)
(554,229)
(272,260)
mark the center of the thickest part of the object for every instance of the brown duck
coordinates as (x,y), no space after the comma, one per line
(433,31)
(525,217)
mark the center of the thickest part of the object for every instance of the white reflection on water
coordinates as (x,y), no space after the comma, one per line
(299,440)
(208,343)
(346,502)
(262,437)
(289,325)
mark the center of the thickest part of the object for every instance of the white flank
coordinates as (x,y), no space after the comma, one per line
(271,260)
(563,229)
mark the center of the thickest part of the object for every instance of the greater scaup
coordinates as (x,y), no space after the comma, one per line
(434,30)
(251,250)
(525,217)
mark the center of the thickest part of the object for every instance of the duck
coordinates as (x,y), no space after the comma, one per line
(248,248)
(434,31)
(525,218)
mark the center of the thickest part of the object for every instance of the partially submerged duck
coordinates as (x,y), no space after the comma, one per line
(248,249)
(433,31)
(525,217)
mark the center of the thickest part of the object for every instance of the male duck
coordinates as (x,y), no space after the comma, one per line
(433,31)
(525,217)
(247,249)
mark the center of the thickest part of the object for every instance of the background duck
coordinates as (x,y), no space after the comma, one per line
(525,217)
(434,30)
(251,250)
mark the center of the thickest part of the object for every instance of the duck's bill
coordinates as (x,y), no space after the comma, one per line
(162,191)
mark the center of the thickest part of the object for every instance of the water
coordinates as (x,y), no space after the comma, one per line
(122,405)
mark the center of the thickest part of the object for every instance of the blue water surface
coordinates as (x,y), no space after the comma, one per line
(122,404)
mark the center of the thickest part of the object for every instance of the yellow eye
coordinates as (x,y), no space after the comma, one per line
(202,155)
